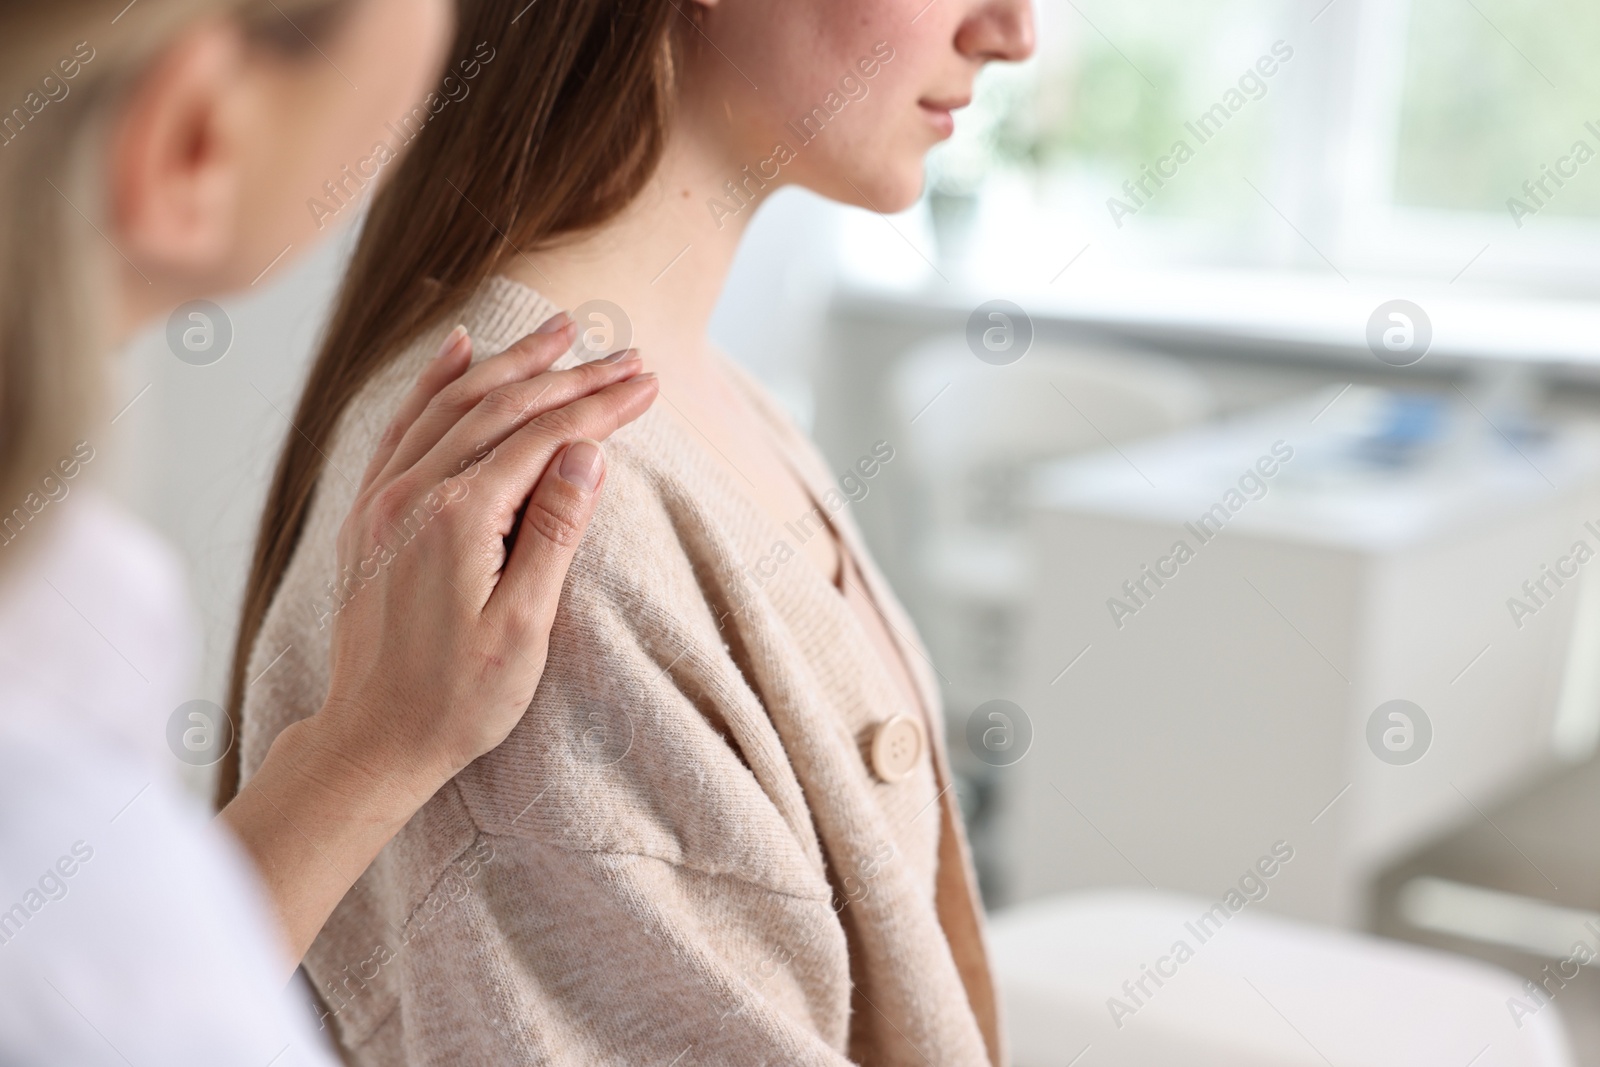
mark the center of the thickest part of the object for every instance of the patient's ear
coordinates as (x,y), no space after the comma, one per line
(174,159)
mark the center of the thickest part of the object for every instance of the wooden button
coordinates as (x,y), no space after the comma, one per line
(897,748)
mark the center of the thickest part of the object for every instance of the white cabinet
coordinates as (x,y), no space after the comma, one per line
(1230,710)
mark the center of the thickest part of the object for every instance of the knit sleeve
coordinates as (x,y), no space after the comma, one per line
(646,886)
(567,957)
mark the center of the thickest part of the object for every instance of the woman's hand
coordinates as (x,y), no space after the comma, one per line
(441,630)
(451,563)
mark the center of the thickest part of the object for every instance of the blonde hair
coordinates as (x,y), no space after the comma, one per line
(64,67)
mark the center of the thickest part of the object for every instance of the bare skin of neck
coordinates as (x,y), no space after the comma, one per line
(664,261)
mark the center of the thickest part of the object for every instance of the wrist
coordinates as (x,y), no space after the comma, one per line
(340,773)
(321,807)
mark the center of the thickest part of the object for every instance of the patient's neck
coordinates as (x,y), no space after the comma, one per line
(663,261)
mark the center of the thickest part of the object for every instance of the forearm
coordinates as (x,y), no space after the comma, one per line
(312,821)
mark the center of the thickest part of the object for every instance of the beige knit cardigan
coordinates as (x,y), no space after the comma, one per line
(681,855)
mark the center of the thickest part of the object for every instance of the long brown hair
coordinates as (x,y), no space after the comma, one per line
(565,126)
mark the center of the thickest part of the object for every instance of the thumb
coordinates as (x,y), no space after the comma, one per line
(557,515)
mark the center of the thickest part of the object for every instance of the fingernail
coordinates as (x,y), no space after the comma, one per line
(555,323)
(457,335)
(618,357)
(582,464)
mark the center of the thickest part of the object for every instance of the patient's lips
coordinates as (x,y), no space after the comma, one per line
(940,112)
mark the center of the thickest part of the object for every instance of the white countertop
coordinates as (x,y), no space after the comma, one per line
(1328,493)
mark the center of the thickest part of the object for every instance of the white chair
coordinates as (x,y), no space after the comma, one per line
(1258,991)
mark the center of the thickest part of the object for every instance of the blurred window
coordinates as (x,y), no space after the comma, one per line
(1391,136)
(1495,91)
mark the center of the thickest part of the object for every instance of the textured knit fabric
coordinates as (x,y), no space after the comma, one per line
(681,854)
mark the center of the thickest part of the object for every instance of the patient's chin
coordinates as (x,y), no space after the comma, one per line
(880,185)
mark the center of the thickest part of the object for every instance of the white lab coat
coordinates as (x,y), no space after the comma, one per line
(131,930)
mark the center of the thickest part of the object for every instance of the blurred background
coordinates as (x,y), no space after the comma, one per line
(1308,287)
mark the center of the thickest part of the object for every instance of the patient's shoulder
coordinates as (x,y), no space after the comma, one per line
(646,736)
